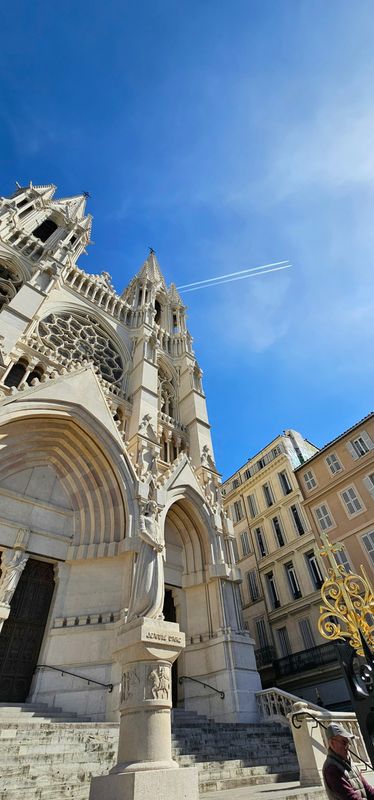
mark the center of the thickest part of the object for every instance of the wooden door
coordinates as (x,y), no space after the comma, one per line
(22,633)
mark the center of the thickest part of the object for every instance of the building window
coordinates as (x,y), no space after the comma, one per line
(268,494)
(235,550)
(296,519)
(314,569)
(253,585)
(244,541)
(247,474)
(342,559)
(261,632)
(252,505)
(284,482)
(45,230)
(235,483)
(307,634)
(37,373)
(368,482)
(273,591)
(323,517)
(278,531)
(333,464)
(359,446)
(261,542)
(292,580)
(284,642)
(351,500)
(16,373)
(309,479)
(368,540)
(237,511)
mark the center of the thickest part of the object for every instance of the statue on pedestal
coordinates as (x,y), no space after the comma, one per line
(147,595)
(13,563)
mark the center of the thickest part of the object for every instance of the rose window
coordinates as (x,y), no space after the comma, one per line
(10,282)
(78,337)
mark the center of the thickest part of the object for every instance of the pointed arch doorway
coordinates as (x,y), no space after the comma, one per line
(183,578)
(23,631)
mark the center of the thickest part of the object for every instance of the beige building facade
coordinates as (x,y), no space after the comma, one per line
(277,552)
(338,488)
(105,440)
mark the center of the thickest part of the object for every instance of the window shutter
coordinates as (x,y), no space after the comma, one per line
(369,486)
(367,440)
(352,451)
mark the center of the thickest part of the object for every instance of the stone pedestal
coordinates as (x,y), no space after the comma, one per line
(145,768)
(310,749)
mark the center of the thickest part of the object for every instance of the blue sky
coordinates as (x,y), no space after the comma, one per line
(224,135)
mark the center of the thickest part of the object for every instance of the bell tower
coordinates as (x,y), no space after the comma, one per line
(166,380)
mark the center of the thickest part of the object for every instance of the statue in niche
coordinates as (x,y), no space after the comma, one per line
(13,563)
(159,683)
(147,595)
(206,458)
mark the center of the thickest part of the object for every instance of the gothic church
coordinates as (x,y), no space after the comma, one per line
(102,412)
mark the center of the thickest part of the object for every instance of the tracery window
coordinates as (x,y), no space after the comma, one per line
(10,283)
(77,336)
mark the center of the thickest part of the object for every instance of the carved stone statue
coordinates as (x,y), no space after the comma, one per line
(13,563)
(147,595)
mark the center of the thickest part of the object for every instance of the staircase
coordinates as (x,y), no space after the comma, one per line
(47,754)
(230,756)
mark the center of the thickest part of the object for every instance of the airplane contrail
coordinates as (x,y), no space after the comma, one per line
(232,274)
(253,274)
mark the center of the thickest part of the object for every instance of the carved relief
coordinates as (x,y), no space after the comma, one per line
(130,680)
(22,538)
(158,683)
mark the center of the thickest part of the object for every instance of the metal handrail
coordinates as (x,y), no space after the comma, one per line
(206,685)
(307,714)
(63,671)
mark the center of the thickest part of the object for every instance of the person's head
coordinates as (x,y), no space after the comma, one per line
(339,739)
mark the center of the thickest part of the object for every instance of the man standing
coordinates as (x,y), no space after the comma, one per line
(343,781)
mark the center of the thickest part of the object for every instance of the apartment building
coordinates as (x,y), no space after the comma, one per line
(338,488)
(282,571)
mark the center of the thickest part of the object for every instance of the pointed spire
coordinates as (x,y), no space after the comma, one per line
(73,207)
(151,271)
(174,296)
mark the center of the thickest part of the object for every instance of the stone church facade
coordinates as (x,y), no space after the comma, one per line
(104,429)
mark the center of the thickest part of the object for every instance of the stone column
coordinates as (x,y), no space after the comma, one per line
(145,767)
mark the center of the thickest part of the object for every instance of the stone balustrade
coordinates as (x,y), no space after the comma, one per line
(308,723)
(274,705)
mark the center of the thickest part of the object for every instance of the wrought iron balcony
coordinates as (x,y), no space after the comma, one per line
(305,660)
(265,656)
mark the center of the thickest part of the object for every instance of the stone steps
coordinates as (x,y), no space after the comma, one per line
(45,757)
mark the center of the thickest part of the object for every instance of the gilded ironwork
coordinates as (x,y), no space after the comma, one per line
(348,609)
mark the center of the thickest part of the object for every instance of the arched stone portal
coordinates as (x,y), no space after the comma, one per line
(218,653)
(61,488)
